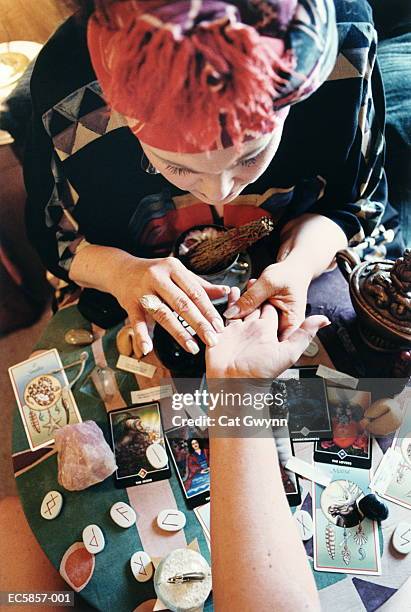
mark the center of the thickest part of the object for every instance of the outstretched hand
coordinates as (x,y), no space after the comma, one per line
(285,286)
(250,348)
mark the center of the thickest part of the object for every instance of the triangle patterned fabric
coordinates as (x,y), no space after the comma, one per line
(80,119)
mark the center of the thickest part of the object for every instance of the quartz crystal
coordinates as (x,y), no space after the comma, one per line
(84,457)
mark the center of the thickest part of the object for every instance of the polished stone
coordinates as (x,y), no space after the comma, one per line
(123,514)
(79,337)
(141,566)
(51,505)
(171,520)
(93,539)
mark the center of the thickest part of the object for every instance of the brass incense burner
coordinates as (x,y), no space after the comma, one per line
(381,296)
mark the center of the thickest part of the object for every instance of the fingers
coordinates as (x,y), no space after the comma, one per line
(298,341)
(290,320)
(312,324)
(142,344)
(233,297)
(188,286)
(255,295)
(257,313)
(164,317)
(213,291)
(254,316)
(269,313)
(181,303)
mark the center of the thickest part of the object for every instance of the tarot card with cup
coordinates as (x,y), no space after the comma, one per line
(44,398)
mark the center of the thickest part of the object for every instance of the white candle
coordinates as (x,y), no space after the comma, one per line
(186,596)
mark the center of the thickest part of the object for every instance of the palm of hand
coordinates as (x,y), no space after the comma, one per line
(247,349)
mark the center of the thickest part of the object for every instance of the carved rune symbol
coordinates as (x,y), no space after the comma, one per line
(169,522)
(51,503)
(142,569)
(93,541)
(300,519)
(405,540)
(123,512)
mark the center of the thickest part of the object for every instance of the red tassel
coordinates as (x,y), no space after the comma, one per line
(178,88)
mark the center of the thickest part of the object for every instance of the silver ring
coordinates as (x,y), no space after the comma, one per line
(151,303)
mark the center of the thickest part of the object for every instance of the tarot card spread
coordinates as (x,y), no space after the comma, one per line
(343,540)
(44,399)
(350,444)
(392,478)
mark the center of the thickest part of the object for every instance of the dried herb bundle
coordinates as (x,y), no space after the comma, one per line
(215,253)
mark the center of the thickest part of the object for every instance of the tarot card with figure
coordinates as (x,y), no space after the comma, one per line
(344,541)
(307,405)
(44,399)
(138,444)
(350,443)
(189,448)
(392,478)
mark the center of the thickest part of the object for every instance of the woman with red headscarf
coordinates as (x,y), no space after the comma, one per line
(152,117)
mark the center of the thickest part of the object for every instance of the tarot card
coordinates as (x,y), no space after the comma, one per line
(309,418)
(350,443)
(290,480)
(344,541)
(138,444)
(189,449)
(392,478)
(203,515)
(44,399)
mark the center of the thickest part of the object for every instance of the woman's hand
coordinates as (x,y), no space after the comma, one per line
(250,348)
(308,247)
(285,286)
(180,291)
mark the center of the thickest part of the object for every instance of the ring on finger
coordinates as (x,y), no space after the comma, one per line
(151,303)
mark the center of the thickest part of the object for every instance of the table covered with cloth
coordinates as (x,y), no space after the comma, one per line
(112,586)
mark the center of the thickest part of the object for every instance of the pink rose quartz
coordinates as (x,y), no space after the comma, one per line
(84,457)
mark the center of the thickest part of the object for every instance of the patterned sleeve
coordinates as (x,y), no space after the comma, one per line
(354,191)
(50,220)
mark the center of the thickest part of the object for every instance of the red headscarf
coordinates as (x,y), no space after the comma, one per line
(191,76)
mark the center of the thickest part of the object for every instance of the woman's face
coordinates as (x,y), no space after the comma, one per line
(217,177)
(195,445)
